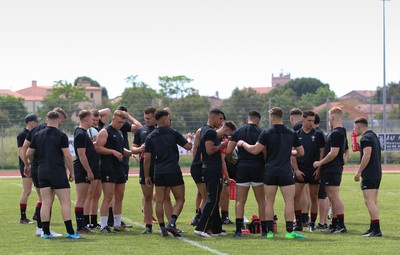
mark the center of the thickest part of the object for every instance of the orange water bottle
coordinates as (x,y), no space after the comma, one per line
(232,190)
(354,143)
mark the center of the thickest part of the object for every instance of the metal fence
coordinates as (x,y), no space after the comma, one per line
(9,150)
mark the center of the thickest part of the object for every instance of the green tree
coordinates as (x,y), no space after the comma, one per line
(302,86)
(189,113)
(12,111)
(66,96)
(392,94)
(174,86)
(240,103)
(138,97)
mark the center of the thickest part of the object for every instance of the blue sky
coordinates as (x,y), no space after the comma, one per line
(220,44)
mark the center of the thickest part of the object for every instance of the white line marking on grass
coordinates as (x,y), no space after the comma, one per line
(184,239)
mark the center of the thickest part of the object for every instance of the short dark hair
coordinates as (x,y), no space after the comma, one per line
(150,110)
(160,113)
(230,124)
(277,112)
(122,108)
(308,114)
(61,112)
(317,119)
(53,115)
(216,111)
(255,114)
(83,114)
(362,121)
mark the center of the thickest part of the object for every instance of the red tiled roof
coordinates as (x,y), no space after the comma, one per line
(261,90)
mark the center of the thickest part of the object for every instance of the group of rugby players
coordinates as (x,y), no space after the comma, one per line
(305,164)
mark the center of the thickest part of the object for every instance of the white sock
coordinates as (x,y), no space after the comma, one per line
(103,221)
(117,220)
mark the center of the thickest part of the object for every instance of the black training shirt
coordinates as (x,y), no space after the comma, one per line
(374,168)
(162,144)
(312,142)
(336,139)
(248,133)
(279,141)
(48,144)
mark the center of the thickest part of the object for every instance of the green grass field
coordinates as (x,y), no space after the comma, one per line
(20,239)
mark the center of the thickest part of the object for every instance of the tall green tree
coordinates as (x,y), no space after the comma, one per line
(66,96)
(174,86)
(138,97)
(189,113)
(392,94)
(303,86)
(12,111)
(240,103)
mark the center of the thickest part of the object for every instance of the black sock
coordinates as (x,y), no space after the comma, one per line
(376,226)
(173,219)
(86,220)
(263,226)
(304,217)
(93,220)
(334,222)
(340,219)
(224,215)
(46,227)
(38,219)
(79,217)
(269,224)
(110,221)
(68,226)
(162,226)
(149,226)
(22,208)
(289,226)
(239,225)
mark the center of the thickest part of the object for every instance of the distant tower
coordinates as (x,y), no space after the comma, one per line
(280,80)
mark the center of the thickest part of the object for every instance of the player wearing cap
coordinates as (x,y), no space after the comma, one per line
(31,168)
(31,121)
(50,147)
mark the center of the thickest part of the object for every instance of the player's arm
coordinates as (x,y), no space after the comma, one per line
(85,163)
(135,123)
(100,145)
(68,163)
(188,146)
(30,153)
(298,151)
(225,173)
(212,149)
(146,168)
(328,158)
(104,114)
(253,149)
(229,150)
(196,142)
(364,162)
(23,154)
(127,153)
